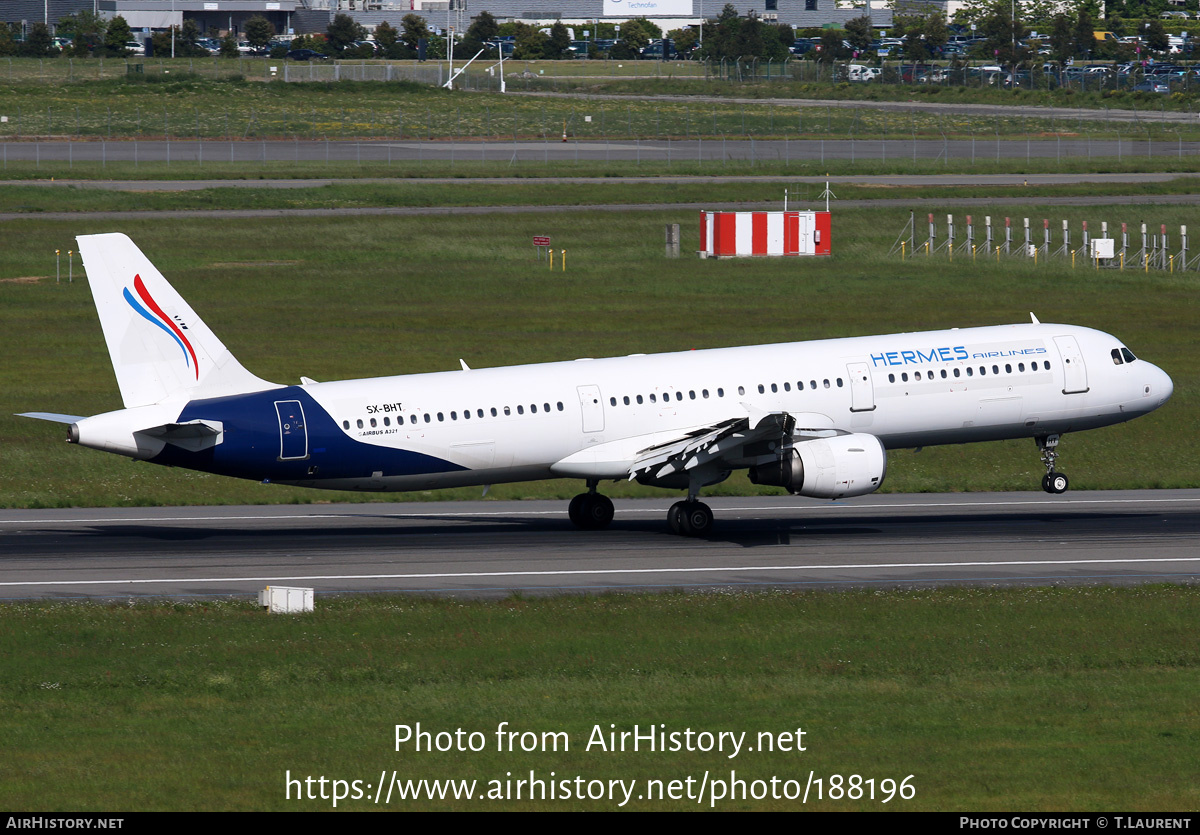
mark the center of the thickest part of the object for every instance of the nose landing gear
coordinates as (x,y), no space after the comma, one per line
(1052,482)
(591,511)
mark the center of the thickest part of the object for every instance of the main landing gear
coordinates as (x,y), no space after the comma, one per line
(690,518)
(1052,482)
(591,511)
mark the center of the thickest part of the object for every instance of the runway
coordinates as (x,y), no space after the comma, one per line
(488,549)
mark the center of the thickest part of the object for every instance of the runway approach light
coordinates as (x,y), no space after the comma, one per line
(286,600)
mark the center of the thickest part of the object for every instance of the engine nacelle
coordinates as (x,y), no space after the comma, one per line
(828,468)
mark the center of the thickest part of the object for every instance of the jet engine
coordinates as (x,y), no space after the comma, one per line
(828,468)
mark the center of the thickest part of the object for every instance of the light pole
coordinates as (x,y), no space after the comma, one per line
(500,49)
(1014,41)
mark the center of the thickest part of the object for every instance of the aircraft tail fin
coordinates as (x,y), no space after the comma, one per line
(160,348)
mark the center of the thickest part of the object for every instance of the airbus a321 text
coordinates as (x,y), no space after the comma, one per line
(815,418)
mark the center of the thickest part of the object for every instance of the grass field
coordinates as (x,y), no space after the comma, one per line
(992,700)
(352,297)
(189,106)
(547,192)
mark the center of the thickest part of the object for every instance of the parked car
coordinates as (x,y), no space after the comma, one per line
(1152,85)
(654,49)
(306,55)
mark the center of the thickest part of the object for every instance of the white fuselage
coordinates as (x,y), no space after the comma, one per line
(938,387)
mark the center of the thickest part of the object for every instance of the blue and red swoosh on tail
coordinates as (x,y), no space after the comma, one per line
(161,320)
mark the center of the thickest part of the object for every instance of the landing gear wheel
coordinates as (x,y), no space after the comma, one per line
(598,512)
(1058,483)
(690,519)
(590,511)
(575,510)
(1052,482)
(675,518)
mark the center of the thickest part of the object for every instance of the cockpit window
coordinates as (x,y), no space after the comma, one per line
(1116,355)
(1128,354)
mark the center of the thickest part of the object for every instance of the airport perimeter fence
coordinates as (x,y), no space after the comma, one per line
(485,72)
(505,153)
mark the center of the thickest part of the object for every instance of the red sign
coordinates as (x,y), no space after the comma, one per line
(541,240)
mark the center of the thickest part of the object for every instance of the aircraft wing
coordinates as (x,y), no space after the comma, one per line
(736,442)
(726,442)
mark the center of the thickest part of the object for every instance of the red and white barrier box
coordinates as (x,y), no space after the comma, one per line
(736,234)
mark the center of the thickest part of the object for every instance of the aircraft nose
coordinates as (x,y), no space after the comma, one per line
(1165,388)
(1159,386)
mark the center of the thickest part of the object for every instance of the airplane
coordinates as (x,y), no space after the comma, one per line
(815,418)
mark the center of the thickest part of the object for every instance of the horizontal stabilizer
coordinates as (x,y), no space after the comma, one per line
(52,416)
